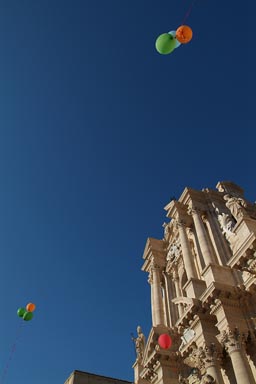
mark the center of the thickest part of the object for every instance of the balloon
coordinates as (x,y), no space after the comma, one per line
(177,43)
(28,316)
(21,312)
(30,307)
(184,34)
(165,44)
(165,341)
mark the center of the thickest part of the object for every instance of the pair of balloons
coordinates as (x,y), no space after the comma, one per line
(165,341)
(27,313)
(167,42)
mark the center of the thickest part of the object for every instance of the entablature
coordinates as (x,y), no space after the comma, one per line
(155,252)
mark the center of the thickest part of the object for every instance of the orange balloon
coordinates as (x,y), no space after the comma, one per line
(184,34)
(30,307)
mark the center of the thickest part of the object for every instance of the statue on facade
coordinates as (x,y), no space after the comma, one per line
(166,229)
(139,342)
(236,205)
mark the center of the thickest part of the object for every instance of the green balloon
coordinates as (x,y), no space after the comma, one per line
(28,316)
(165,43)
(21,312)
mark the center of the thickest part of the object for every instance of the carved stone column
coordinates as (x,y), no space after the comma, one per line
(186,252)
(234,345)
(171,309)
(156,295)
(178,291)
(150,281)
(202,235)
(165,302)
(211,364)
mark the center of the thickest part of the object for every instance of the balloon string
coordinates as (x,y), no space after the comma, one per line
(188,11)
(11,354)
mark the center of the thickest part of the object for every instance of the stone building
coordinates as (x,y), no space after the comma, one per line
(202,276)
(79,377)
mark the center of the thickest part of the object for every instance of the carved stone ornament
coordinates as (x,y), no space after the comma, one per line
(250,266)
(232,339)
(194,377)
(236,205)
(173,252)
(208,379)
(195,358)
(227,226)
(209,355)
(182,380)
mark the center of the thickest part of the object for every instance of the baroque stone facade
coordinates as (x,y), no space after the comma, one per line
(202,276)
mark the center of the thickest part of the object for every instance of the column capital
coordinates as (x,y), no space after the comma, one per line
(232,340)
(209,355)
(154,267)
(195,210)
(180,222)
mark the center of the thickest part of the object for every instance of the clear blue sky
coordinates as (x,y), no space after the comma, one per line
(97,132)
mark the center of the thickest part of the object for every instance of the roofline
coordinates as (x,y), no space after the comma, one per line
(95,374)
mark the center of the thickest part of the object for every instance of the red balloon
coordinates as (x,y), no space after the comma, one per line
(164,341)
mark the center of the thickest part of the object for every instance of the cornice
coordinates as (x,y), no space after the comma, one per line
(240,255)
(155,251)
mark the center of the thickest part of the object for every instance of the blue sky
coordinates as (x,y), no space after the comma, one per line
(97,132)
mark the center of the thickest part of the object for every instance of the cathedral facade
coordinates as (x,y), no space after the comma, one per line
(202,276)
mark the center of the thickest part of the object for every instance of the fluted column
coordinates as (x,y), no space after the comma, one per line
(202,235)
(167,301)
(150,281)
(235,348)
(165,306)
(156,295)
(172,308)
(186,251)
(178,291)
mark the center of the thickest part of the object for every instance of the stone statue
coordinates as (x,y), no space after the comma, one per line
(166,229)
(236,206)
(139,344)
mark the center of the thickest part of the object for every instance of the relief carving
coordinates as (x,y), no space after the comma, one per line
(173,252)
(232,339)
